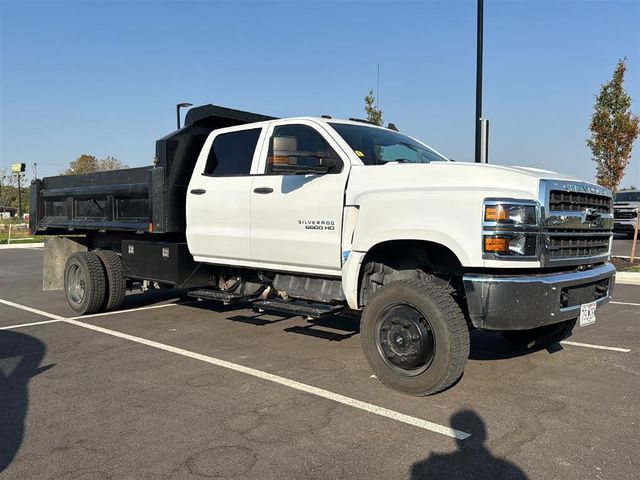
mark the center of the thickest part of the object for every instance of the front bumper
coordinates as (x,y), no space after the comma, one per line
(520,302)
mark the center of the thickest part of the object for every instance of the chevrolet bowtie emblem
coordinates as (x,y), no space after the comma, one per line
(590,215)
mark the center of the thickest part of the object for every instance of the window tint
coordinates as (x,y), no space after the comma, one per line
(232,153)
(305,140)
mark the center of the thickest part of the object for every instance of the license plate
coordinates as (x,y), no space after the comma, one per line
(587,314)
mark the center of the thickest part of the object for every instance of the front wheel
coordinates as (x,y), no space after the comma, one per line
(415,337)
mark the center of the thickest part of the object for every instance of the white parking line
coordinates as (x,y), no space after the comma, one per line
(358,404)
(10,327)
(625,303)
(42,313)
(56,318)
(138,309)
(597,347)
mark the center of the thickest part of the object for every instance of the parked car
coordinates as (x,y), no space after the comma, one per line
(625,212)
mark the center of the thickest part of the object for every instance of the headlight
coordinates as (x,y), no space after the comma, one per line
(510,214)
(510,229)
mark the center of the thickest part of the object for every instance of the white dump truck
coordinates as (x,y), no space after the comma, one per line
(312,216)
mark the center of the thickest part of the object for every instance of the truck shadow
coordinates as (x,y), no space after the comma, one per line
(20,357)
(471,459)
(144,299)
(492,346)
(334,328)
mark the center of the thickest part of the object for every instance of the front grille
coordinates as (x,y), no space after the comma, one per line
(624,215)
(566,246)
(578,201)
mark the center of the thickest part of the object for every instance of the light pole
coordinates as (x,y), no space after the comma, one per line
(178,107)
(479,154)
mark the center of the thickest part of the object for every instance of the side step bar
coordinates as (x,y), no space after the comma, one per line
(207,294)
(304,309)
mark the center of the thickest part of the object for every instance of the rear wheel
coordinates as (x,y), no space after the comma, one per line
(116,283)
(415,336)
(542,336)
(84,282)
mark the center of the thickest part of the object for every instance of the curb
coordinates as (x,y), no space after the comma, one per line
(22,245)
(628,278)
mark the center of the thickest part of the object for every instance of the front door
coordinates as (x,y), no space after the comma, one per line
(296,220)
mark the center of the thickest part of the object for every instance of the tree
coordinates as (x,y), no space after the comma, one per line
(83,164)
(89,164)
(110,163)
(613,130)
(9,191)
(374,114)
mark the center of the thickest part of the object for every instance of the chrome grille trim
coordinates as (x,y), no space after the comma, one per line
(576,223)
(578,201)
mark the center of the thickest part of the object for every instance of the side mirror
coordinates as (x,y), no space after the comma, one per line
(288,160)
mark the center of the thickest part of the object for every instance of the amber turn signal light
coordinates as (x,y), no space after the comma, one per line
(496,244)
(495,213)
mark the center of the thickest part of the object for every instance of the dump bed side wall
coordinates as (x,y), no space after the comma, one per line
(114,200)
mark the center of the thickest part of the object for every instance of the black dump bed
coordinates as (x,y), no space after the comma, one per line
(146,199)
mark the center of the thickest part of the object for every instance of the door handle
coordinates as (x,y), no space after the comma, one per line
(263,190)
(198,191)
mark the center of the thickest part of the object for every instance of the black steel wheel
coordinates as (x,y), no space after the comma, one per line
(415,336)
(116,283)
(84,282)
(405,339)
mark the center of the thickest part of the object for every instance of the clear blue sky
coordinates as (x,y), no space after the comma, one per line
(103,77)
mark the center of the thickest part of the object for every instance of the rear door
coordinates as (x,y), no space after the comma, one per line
(218,196)
(296,220)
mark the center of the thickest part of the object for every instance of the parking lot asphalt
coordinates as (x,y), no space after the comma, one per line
(178,389)
(622,246)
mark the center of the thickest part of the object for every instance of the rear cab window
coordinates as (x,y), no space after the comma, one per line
(232,153)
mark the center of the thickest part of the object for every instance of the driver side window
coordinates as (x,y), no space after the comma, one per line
(308,143)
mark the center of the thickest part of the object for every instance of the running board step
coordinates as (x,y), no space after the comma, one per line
(304,309)
(206,294)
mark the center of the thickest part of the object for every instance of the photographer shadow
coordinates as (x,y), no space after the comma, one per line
(20,357)
(472,459)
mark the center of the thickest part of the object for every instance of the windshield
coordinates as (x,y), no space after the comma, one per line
(375,146)
(628,197)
